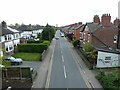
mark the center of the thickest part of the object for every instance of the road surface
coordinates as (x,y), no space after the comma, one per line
(65,72)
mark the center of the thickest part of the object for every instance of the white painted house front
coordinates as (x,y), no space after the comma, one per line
(9,39)
(27,34)
(108,59)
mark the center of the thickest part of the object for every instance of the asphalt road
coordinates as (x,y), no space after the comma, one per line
(64,71)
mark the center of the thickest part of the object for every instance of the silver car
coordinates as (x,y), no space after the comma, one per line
(14,61)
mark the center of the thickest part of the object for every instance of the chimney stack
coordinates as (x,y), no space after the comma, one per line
(116,22)
(4,25)
(96,19)
(106,20)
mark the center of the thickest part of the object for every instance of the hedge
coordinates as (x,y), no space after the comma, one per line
(32,41)
(46,42)
(32,48)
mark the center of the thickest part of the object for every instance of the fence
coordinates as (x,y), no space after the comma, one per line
(16,77)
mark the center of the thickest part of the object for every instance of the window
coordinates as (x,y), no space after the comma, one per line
(88,37)
(115,39)
(107,58)
(6,38)
(7,49)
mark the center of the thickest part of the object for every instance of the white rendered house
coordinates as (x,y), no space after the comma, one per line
(108,58)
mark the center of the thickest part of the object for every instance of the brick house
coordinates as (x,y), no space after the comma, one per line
(87,31)
(77,32)
(102,33)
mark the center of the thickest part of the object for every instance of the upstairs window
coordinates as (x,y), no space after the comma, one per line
(115,39)
(6,38)
(107,58)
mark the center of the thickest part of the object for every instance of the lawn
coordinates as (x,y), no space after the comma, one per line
(29,56)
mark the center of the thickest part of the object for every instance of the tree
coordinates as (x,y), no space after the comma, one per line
(88,47)
(17,25)
(48,32)
(90,52)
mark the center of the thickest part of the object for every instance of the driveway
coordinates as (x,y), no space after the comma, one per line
(33,64)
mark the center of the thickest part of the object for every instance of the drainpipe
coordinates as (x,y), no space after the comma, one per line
(118,37)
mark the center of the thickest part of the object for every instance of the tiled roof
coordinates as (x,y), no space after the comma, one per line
(6,31)
(105,35)
(93,26)
(78,26)
(73,27)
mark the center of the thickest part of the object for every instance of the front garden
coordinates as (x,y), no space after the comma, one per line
(32,51)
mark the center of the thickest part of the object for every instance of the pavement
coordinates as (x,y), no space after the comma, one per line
(40,79)
(86,72)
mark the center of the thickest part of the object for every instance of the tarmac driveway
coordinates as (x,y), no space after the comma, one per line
(33,64)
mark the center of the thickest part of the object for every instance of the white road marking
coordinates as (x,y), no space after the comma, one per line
(65,72)
(62,59)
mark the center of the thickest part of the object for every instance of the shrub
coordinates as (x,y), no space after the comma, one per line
(46,42)
(88,47)
(75,43)
(32,48)
(109,81)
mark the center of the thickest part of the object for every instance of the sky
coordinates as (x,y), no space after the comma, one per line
(61,12)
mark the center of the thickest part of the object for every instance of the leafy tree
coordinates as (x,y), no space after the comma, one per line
(88,47)
(90,52)
(17,25)
(48,32)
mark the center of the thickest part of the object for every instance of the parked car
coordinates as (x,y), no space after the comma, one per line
(14,61)
(56,38)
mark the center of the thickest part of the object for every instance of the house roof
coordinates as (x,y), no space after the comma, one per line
(13,30)
(79,26)
(93,26)
(8,30)
(109,50)
(104,36)
(75,26)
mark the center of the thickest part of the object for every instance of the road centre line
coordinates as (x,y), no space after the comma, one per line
(62,59)
(65,71)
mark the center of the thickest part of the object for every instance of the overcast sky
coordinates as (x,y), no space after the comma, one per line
(61,12)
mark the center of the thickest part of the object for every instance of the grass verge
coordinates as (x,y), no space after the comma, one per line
(29,56)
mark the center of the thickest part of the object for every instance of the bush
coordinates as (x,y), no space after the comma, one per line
(88,47)
(75,43)
(32,48)
(46,42)
(109,81)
